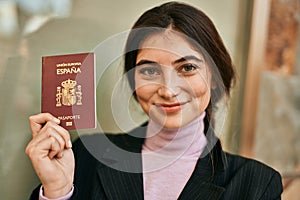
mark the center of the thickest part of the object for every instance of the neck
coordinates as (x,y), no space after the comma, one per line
(184,140)
(163,147)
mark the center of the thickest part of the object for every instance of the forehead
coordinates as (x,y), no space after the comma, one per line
(167,42)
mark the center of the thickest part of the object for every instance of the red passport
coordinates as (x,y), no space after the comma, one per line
(68,89)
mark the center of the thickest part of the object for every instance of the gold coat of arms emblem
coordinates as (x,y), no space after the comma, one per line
(68,94)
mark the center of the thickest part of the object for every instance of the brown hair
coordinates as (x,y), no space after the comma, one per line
(194,24)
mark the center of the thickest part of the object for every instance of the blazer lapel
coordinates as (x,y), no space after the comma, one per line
(121,175)
(200,185)
(121,185)
(203,190)
(127,183)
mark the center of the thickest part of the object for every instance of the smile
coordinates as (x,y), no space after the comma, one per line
(170,108)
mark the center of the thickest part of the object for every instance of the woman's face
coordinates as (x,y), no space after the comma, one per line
(172,80)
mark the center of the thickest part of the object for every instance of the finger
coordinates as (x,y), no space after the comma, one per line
(39,120)
(54,130)
(49,147)
(55,149)
(65,135)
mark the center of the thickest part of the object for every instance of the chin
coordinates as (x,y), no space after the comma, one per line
(170,121)
(172,124)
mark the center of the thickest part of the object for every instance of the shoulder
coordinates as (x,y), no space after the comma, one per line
(101,141)
(237,163)
(103,145)
(251,176)
(98,150)
(130,141)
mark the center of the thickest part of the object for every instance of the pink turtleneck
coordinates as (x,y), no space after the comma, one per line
(169,158)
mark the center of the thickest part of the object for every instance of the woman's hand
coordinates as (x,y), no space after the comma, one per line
(51,155)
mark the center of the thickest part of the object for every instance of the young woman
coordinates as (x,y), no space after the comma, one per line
(178,68)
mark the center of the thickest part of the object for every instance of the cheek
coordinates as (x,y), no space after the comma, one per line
(202,94)
(199,86)
(145,95)
(200,90)
(145,89)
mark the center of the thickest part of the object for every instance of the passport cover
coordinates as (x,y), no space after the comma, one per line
(68,89)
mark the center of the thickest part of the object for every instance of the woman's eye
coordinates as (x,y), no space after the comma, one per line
(188,68)
(149,71)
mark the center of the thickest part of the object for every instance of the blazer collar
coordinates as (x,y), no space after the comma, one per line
(121,185)
(128,182)
(121,174)
(201,185)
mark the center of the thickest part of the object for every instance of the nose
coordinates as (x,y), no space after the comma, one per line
(170,87)
(167,93)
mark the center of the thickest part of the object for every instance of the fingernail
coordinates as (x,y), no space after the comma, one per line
(56,120)
(69,144)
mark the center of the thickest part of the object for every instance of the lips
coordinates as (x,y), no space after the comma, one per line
(170,107)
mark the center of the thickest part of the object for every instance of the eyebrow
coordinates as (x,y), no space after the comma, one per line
(143,62)
(180,60)
(186,58)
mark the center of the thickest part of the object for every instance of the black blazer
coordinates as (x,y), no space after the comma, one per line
(218,175)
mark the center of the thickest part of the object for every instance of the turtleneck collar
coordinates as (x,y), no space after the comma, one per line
(164,146)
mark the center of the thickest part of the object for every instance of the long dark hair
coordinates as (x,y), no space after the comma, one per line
(194,24)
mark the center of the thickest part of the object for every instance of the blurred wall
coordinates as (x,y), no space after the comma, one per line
(90,22)
(277,123)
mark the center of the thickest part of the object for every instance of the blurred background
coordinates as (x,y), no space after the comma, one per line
(262,37)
